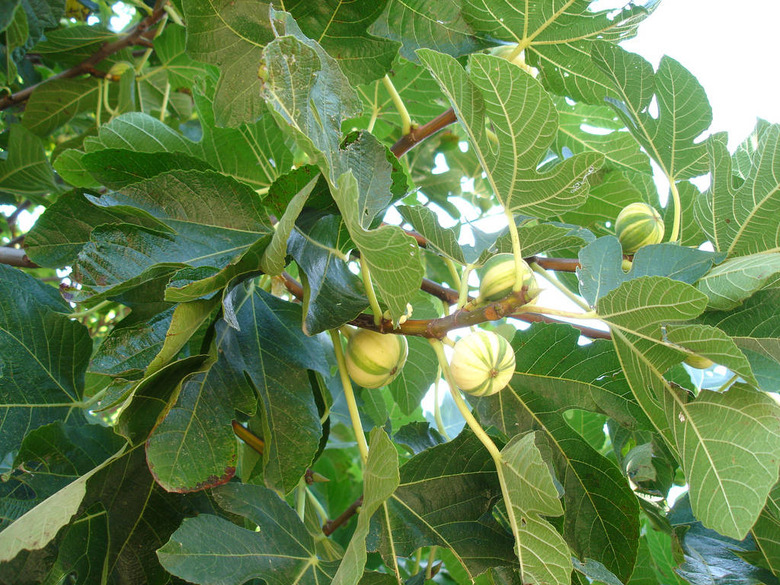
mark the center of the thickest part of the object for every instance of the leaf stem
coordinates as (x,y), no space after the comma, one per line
(484,438)
(516,250)
(300,499)
(98,109)
(437,408)
(453,273)
(560,286)
(728,383)
(463,292)
(429,566)
(166,97)
(398,102)
(677,223)
(365,273)
(84,313)
(556,312)
(322,513)
(374,109)
(354,415)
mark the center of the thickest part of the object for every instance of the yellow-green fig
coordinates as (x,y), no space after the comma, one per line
(482,364)
(375,359)
(498,277)
(638,225)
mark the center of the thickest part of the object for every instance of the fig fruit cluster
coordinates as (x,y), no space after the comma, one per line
(638,225)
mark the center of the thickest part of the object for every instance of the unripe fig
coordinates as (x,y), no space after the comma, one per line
(375,359)
(483,363)
(699,362)
(498,277)
(638,225)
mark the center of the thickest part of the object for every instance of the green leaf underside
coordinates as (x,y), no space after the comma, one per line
(743,221)
(380,481)
(543,553)
(525,121)
(719,473)
(600,510)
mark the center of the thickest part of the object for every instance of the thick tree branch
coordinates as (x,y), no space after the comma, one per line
(88,64)
(438,328)
(16,257)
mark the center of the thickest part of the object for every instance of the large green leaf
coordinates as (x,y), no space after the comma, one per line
(727,442)
(254,153)
(44,357)
(684,113)
(743,220)
(263,354)
(444,499)
(421,23)
(584,128)
(332,294)
(426,223)
(530,496)
(380,479)
(766,531)
(600,519)
(551,363)
(557,37)
(59,234)
(340,27)
(280,552)
(230,35)
(755,328)
(730,283)
(311,99)
(180,69)
(26,171)
(57,101)
(523,118)
(601,269)
(709,557)
(206,220)
(392,256)
(51,457)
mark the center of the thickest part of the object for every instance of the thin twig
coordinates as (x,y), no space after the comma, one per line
(331,525)
(417,135)
(88,64)
(17,240)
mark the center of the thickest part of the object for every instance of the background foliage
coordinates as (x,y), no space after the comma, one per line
(223,183)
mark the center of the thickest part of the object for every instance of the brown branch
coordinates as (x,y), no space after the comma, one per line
(16,257)
(88,64)
(330,526)
(17,240)
(417,135)
(438,328)
(591,332)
